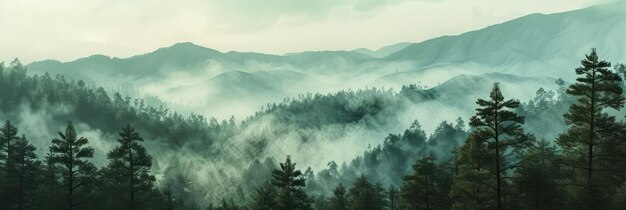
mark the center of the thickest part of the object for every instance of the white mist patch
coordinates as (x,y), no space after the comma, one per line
(429,114)
(39,126)
(101,142)
(42,125)
(331,143)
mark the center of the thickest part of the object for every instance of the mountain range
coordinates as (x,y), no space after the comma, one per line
(541,47)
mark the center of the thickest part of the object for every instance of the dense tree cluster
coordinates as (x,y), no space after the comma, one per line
(67,179)
(99,109)
(316,110)
(495,164)
(500,165)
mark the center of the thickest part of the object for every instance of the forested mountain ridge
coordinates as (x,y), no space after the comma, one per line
(482,120)
(536,45)
(30,98)
(385,163)
(297,122)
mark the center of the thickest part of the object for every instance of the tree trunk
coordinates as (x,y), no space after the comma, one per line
(497,140)
(132,176)
(591,132)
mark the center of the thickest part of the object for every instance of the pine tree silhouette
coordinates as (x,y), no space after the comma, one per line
(128,172)
(77,173)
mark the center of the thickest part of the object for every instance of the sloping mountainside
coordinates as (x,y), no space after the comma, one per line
(240,91)
(340,113)
(534,45)
(383,52)
(194,149)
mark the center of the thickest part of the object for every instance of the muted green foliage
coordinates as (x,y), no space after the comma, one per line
(499,129)
(364,196)
(7,137)
(394,197)
(77,173)
(493,162)
(264,197)
(128,174)
(537,179)
(473,180)
(290,184)
(21,171)
(428,186)
(339,199)
(591,148)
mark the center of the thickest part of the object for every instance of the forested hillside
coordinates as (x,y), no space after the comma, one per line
(42,105)
(513,155)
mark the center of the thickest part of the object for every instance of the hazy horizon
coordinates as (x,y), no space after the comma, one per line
(67,31)
(469,95)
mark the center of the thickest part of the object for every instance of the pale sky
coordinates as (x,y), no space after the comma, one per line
(65,30)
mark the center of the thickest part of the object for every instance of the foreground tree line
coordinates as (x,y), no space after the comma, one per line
(499,166)
(66,178)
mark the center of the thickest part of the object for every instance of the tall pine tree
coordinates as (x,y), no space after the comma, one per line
(128,172)
(22,168)
(8,135)
(290,183)
(77,173)
(586,143)
(497,127)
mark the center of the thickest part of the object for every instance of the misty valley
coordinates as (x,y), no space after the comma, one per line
(524,114)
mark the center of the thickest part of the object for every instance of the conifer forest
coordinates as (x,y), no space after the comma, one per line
(521,109)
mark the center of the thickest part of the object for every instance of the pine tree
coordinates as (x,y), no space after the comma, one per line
(537,178)
(128,171)
(72,156)
(339,200)
(472,188)
(171,201)
(427,187)
(47,194)
(620,69)
(321,203)
(362,195)
(446,138)
(393,197)
(22,168)
(230,205)
(8,135)
(290,183)
(264,197)
(586,143)
(500,128)
(380,196)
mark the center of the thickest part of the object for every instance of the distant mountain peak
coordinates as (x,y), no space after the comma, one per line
(183,50)
(187,46)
